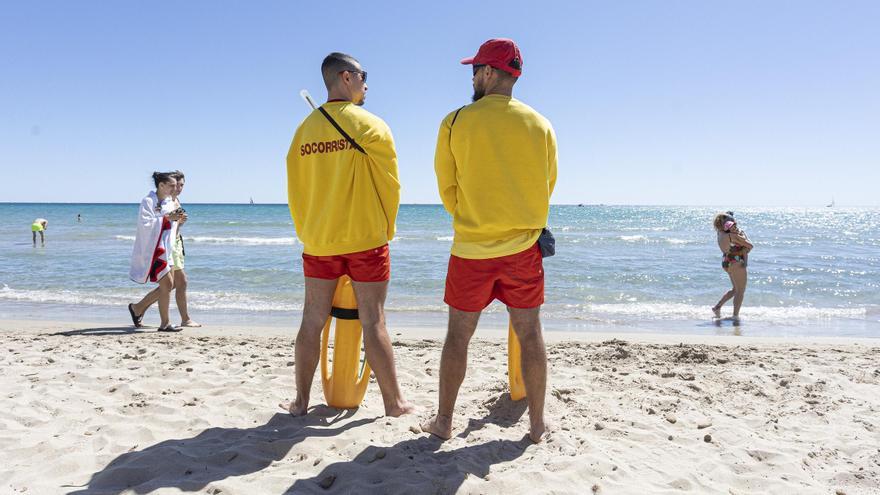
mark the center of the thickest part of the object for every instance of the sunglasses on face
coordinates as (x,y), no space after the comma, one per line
(363,73)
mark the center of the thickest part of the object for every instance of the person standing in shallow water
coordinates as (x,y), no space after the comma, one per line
(735,247)
(343,195)
(39,225)
(496,169)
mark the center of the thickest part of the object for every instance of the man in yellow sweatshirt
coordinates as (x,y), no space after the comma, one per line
(343,193)
(496,168)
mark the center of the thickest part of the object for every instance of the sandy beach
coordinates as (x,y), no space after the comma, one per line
(105,410)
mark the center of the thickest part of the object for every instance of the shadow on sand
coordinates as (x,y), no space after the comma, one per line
(190,464)
(104,331)
(418,465)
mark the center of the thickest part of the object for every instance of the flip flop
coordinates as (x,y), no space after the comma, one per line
(191,324)
(170,328)
(136,319)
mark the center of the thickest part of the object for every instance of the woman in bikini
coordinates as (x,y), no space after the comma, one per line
(735,247)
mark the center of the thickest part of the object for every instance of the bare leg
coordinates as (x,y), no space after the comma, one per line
(527,325)
(42,238)
(738,275)
(180,284)
(453,366)
(316,310)
(144,304)
(377,345)
(726,297)
(166,284)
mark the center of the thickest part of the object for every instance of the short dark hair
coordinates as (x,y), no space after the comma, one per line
(335,63)
(177,174)
(162,177)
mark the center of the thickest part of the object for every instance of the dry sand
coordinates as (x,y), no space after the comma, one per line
(112,411)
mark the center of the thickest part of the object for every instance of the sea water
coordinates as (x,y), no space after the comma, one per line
(813,271)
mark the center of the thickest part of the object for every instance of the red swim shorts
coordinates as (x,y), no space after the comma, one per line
(372,265)
(516,280)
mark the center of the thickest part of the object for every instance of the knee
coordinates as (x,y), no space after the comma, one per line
(530,338)
(458,341)
(313,321)
(180,283)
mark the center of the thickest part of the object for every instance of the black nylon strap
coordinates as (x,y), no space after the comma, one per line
(455,117)
(344,314)
(344,134)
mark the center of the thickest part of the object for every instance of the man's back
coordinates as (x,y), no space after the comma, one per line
(342,200)
(496,169)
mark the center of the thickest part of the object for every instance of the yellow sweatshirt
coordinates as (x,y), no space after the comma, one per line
(496,169)
(341,200)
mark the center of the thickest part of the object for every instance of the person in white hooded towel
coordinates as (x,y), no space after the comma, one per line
(151,256)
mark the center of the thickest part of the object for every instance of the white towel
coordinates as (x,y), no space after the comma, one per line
(149,231)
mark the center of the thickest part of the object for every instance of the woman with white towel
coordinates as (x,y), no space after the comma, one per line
(151,257)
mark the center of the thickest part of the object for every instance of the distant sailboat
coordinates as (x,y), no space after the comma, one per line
(252,200)
(831,205)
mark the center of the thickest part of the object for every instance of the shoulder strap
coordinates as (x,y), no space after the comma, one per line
(344,134)
(455,116)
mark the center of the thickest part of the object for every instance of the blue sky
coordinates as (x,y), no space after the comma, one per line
(654,102)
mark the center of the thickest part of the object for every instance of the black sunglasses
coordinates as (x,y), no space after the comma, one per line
(477,68)
(363,73)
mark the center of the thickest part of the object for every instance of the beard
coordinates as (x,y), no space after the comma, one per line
(478,93)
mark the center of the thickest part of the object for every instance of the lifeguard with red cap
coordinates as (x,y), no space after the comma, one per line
(496,169)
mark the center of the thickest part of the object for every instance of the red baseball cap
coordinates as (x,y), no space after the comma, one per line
(500,53)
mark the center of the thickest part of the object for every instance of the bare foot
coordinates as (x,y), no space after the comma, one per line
(440,426)
(716,311)
(537,432)
(402,409)
(295,408)
(190,323)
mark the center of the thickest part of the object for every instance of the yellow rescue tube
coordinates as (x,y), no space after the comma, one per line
(346,384)
(514,366)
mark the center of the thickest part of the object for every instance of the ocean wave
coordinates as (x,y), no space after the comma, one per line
(246,241)
(445,238)
(625,312)
(662,240)
(243,241)
(633,238)
(678,311)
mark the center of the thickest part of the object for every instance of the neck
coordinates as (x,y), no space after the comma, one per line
(502,92)
(160,195)
(338,94)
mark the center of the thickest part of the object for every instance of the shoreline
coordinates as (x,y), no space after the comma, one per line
(433,333)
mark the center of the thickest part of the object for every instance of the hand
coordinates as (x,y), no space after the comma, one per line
(182,218)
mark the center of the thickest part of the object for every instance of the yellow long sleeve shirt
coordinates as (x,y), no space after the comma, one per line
(496,170)
(341,200)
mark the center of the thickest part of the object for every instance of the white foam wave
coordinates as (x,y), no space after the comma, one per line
(243,241)
(664,240)
(604,312)
(445,238)
(680,311)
